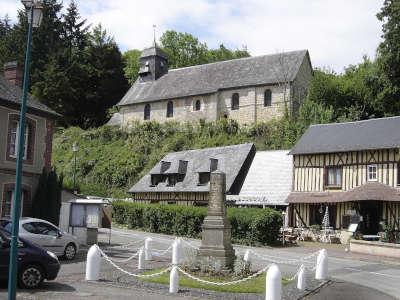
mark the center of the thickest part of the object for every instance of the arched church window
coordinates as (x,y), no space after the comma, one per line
(147,110)
(235,101)
(170,109)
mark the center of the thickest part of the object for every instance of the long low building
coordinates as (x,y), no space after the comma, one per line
(253,178)
(184,177)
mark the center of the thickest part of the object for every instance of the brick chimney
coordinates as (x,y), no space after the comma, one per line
(13,73)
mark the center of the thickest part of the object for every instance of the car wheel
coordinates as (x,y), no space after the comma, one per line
(70,251)
(31,276)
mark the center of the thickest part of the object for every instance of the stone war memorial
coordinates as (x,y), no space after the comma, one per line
(216,234)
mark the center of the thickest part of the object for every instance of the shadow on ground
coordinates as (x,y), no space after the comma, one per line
(346,291)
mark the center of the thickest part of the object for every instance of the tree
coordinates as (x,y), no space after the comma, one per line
(46,203)
(131,59)
(389,57)
(183,49)
(106,76)
(223,53)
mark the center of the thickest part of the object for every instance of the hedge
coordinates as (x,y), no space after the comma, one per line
(250,226)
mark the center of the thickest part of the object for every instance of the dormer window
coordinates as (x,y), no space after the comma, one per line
(204,178)
(156,179)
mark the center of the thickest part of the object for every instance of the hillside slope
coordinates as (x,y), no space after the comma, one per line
(109,161)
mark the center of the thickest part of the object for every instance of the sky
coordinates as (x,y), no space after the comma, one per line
(337,33)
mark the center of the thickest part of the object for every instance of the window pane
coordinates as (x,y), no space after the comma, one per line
(338,177)
(30,227)
(78,217)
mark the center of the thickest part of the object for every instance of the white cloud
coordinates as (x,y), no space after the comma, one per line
(337,32)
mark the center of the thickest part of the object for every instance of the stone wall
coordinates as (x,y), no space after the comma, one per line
(214,106)
(183,110)
(301,84)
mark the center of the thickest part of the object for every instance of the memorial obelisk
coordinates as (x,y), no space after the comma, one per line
(216,235)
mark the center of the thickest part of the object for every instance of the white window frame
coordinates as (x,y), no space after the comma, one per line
(370,172)
(16,138)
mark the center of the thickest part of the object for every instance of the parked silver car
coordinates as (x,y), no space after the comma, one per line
(46,235)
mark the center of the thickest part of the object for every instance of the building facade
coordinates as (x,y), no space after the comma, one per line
(247,90)
(38,140)
(351,168)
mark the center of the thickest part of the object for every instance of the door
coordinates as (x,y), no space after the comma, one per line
(371,212)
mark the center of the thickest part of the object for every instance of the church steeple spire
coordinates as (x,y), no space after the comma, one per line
(154,35)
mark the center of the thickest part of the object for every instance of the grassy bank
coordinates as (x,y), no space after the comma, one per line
(109,161)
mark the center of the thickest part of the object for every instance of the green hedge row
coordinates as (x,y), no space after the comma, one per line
(251,226)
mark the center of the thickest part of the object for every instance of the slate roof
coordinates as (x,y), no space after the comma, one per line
(383,133)
(115,120)
(152,51)
(13,94)
(209,78)
(230,161)
(369,191)
(269,180)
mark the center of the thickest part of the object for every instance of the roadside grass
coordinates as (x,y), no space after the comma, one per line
(255,285)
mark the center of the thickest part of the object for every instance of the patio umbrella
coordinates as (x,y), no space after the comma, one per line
(325,221)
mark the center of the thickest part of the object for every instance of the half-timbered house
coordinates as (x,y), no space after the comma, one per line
(353,168)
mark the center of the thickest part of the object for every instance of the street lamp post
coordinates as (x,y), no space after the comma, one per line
(75,149)
(283,227)
(34,12)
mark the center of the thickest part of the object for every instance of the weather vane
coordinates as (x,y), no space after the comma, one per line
(154,34)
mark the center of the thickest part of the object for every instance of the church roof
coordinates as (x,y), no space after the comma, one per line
(232,160)
(210,78)
(13,95)
(382,133)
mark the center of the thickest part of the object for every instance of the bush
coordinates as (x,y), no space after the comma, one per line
(251,226)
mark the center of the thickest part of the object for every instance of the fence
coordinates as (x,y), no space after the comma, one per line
(273,281)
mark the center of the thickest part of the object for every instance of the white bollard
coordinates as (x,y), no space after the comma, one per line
(141,259)
(301,278)
(175,253)
(174,280)
(93,263)
(246,256)
(273,283)
(321,272)
(147,248)
(180,250)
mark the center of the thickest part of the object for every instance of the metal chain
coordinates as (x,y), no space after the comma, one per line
(126,245)
(288,261)
(294,276)
(224,283)
(159,252)
(129,273)
(190,244)
(125,260)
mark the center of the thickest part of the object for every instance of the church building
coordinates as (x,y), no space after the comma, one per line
(247,90)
